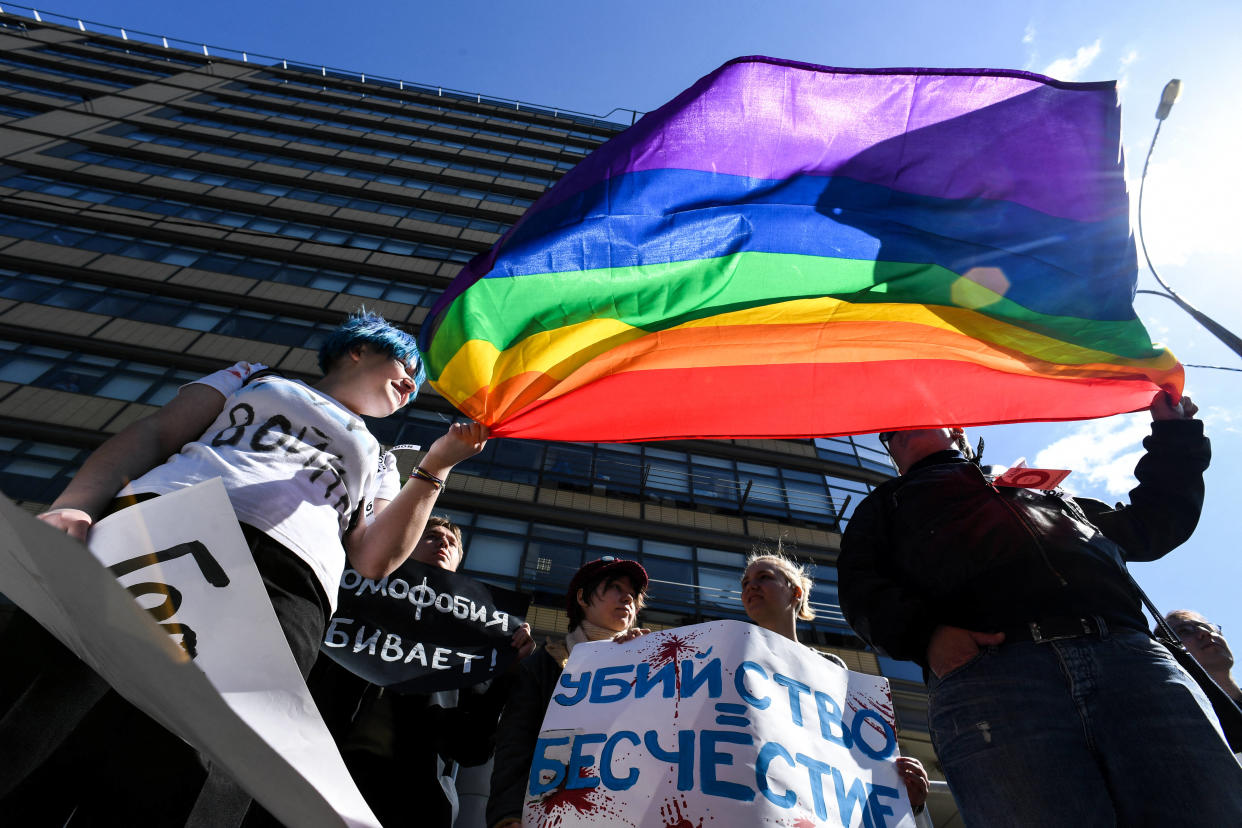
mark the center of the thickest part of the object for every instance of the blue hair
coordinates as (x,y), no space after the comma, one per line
(366,328)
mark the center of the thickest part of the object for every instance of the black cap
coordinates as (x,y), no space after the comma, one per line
(604,568)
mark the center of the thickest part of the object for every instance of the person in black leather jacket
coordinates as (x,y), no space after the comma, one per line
(1048,701)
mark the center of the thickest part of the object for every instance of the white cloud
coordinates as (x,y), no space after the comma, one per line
(1101,453)
(1217,419)
(1123,68)
(1028,43)
(1071,69)
(1188,208)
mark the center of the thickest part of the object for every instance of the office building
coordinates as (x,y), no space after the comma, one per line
(168,211)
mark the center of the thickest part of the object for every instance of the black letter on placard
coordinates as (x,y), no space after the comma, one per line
(165,610)
(208,565)
(189,639)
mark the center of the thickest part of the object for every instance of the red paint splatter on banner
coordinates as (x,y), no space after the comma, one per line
(672,649)
(804,823)
(673,817)
(589,803)
(858,701)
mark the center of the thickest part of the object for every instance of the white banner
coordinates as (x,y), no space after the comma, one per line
(183,558)
(715,725)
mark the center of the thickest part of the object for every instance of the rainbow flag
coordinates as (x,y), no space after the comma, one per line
(790,250)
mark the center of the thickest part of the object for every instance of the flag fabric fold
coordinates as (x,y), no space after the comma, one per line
(788,250)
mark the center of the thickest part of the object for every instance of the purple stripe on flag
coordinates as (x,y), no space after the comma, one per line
(942,133)
(946,133)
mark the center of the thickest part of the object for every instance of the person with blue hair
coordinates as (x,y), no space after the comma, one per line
(311,489)
(372,330)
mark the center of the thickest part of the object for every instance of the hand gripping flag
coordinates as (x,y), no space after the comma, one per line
(790,250)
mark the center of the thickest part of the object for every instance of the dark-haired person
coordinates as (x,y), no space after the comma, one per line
(603,601)
(402,748)
(776,594)
(310,488)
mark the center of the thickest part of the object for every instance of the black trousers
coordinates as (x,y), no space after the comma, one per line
(398,797)
(74,752)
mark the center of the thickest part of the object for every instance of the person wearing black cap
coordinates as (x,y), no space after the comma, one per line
(602,601)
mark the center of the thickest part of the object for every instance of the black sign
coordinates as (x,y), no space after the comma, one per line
(423,629)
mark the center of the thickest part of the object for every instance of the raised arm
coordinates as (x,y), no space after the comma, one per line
(131,453)
(1164,507)
(379,547)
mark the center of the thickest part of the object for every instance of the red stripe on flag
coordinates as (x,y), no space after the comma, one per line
(814,400)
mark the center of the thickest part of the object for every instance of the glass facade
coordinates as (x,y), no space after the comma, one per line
(230,175)
(86,373)
(98,60)
(251,185)
(35,86)
(688,583)
(232,219)
(142,306)
(384,177)
(37,470)
(184,255)
(63,72)
(450,111)
(431,119)
(379,149)
(701,481)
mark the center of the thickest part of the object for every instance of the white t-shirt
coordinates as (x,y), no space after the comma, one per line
(295,462)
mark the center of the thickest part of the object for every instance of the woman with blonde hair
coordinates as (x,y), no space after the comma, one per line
(776,593)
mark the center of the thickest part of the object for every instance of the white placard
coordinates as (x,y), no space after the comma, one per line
(712,726)
(241,700)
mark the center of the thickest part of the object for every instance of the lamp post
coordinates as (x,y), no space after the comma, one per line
(1172,90)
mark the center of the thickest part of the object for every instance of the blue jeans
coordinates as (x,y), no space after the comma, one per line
(1082,732)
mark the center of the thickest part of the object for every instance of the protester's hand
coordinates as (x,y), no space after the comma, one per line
(915,779)
(951,647)
(460,442)
(73,522)
(1162,407)
(630,634)
(523,642)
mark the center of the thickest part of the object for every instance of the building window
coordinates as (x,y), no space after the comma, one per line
(265,269)
(228,218)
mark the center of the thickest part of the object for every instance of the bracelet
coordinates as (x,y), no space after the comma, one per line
(420,474)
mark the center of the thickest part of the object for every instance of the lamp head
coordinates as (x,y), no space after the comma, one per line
(1172,91)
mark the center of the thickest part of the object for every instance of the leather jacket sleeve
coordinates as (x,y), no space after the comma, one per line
(1165,506)
(888,616)
(516,737)
(466,732)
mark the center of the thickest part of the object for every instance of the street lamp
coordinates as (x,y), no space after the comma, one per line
(1172,90)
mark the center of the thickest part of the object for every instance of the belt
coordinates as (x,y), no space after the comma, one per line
(1055,628)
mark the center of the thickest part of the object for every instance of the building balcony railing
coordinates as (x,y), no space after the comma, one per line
(245,56)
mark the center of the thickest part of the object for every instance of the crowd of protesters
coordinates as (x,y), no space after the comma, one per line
(1049,701)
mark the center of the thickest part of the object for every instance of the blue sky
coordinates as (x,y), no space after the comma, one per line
(594,57)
